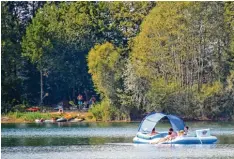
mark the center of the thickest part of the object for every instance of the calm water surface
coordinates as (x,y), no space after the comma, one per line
(105,140)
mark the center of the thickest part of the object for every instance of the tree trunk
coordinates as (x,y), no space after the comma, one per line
(200,57)
(73,95)
(41,76)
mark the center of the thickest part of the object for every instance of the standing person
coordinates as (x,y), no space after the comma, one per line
(80,98)
(92,101)
(86,105)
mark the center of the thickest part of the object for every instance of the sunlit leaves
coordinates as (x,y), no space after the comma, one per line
(102,63)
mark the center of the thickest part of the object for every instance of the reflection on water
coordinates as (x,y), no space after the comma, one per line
(106,140)
(107,151)
(59,141)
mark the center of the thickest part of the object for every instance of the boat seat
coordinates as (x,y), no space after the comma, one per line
(148,137)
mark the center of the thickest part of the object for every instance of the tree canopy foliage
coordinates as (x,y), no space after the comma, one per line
(174,57)
(182,52)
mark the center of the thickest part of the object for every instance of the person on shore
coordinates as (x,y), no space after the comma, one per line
(93,99)
(80,98)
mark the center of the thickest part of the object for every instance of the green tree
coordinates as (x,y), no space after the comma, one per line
(9,58)
(122,22)
(102,63)
(180,52)
(35,44)
(229,20)
(64,33)
(15,81)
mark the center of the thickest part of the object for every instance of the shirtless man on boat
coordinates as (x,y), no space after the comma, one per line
(171,135)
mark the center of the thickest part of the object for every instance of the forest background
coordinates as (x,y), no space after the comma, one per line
(135,57)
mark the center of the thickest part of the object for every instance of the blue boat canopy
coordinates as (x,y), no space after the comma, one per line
(150,121)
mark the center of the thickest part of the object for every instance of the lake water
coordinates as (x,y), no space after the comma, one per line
(105,140)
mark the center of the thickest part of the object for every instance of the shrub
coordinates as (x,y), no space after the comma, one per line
(101,111)
(72,103)
(104,112)
(19,108)
(97,110)
(90,117)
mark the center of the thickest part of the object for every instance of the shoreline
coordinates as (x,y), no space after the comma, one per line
(87,116)
(84,121)
(11,121)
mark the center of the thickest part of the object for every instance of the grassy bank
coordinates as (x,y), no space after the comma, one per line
(30,117)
